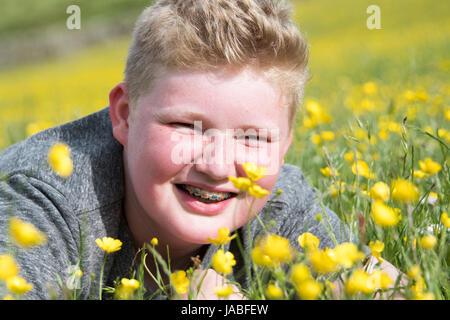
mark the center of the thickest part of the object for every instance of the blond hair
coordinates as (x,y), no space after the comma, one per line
(212,34)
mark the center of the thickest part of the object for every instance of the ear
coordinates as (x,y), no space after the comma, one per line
(119,112)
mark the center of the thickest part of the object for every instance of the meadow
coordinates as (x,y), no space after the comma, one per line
(372,134)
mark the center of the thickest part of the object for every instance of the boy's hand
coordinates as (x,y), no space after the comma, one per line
(209,280)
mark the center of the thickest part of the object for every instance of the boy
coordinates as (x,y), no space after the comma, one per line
(233,65)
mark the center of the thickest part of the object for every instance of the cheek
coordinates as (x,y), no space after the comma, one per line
(151,156)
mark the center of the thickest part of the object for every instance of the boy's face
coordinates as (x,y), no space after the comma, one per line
(163,152)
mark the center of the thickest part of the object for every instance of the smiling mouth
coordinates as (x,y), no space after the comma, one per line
(205,196)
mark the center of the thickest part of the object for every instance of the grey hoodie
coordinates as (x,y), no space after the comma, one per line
(73,212)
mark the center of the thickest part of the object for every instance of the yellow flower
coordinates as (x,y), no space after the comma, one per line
(35,127)
(424,296)
(179,281)
(350,156)
(308,289)
(18,285)
(346,254)
(428,241)
(384,215)
(308,240)
(361,168)
(59,159)
(359,282)
(130,285)
(317,113)
(370,88)
(260,258)
(404,190)
(419,174)
(223,262)
(376,248)
(26,234)
(429,166)
(274,292)
(322,261)
(257,191)
(253,171)
(109,244)
(336,187)
(241,183)
(316,139)
(277,248)
(154,242)
(409,95)
(300,272)
(329,172)
(8,267)
(224,291)
(222,237)
(445,219)
(327,135)
(447,114)
(414,272)
(379,191)
(379,280)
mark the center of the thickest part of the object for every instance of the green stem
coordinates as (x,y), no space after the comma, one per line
(100,288)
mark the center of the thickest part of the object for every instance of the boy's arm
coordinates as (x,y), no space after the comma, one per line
(35,202)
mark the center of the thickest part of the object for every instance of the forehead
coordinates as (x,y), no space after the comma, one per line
(242,95)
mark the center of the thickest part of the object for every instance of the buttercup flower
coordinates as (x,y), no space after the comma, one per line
(154,242)
(224,291)
(253,171)
(376,248)
(260,258)
(179,281)
(300,272)
(328,172)
(379,191)
(361,168)
(346,254)
(445,219)
(308,240)
(404,190)
(359,282)
(370,88)
(379,280)
(26,234)
(222,237)
(109,244)
(277,248)
(327,135)
(257,191)
(130,285)
(322,261)
(274,292)
(223,262)
(59,160)
(429,166)
(241,183)
(350,156)
(384,215)
(18,285)
(428,241)
(8,267)
(308,289)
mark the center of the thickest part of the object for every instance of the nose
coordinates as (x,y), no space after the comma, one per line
(216,157)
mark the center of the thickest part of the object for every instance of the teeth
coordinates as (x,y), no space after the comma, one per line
(207,195)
